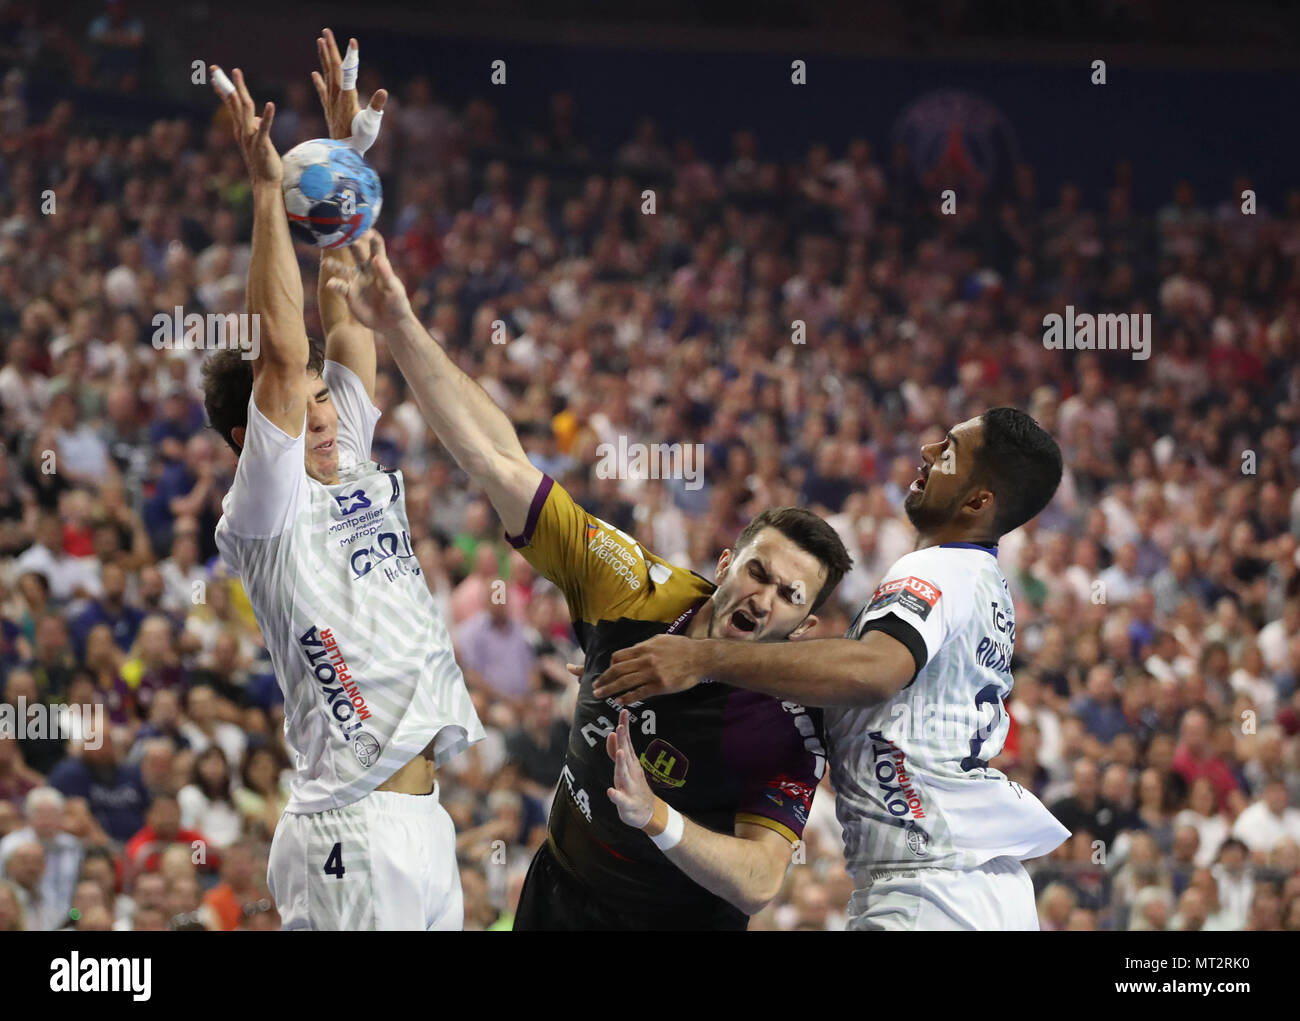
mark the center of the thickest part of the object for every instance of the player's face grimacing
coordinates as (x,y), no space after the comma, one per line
(765,590)
(938,492)
(322,451)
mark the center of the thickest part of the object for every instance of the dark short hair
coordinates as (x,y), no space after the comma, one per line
(228,387)
(1020,462)
(811,534)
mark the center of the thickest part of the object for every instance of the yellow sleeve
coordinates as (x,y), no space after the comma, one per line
(601,571)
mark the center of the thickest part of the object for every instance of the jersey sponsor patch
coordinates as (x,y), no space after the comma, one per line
(786,790)
(910,593)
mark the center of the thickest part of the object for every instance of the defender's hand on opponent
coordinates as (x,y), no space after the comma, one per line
(631,792)
(340,104)
(658,666)
(375,294)
(253,133)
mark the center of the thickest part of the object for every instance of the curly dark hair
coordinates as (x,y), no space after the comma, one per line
(228,387)
(1020,462)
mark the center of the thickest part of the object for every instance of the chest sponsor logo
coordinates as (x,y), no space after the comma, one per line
(890,773)
(340,693)
(913,594)
(617,550)
(350,503)
(360,515)
(664,764)
(391,553)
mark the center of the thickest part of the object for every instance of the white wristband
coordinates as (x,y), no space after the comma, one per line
(673,829)
(351,63)
(365,129)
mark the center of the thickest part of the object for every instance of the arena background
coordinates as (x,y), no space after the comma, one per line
(1160,722)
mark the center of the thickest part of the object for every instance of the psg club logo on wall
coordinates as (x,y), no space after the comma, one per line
(957,140)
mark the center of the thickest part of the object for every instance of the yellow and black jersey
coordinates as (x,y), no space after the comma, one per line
(718,754)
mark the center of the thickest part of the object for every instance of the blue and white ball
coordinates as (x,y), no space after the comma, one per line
(330,193)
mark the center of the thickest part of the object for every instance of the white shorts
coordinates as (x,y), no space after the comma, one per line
(997,896)
(387,861)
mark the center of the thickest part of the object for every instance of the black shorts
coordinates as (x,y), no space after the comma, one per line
(555,900)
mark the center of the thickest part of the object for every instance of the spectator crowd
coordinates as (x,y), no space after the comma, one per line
(810,323)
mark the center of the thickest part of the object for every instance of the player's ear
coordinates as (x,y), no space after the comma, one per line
(980,501)
(237,434)
(808,624)
(724,561)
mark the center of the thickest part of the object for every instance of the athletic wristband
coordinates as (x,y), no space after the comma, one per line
(673,829)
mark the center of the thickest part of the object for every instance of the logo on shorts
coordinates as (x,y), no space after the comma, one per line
(366,749)
(918,842)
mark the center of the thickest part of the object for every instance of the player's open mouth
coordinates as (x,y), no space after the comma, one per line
(325,447)
(741,621)
(918,483)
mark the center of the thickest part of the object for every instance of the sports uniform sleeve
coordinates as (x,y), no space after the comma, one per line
(357,414)
(780,796)
(270,485)
(919,602)
(600,570)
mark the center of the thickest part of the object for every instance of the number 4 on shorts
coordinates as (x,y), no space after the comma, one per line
(334,863)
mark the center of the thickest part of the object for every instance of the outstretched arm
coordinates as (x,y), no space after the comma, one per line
(466,420)
(817,672)
(346,340)
(274,284)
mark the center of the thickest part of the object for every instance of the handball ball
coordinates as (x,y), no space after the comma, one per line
(330,193)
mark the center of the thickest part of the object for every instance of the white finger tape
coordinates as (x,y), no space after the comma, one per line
(365,128)
(221,82)
(351,63)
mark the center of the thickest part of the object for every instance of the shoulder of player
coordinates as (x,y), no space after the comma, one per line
(947,564)
(940,576)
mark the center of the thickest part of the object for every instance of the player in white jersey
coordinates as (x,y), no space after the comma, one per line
(319,536)
(914,695)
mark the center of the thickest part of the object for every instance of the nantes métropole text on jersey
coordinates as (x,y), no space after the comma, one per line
(1112,331)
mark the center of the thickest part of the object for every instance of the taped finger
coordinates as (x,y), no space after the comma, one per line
(351,63)
(221,82)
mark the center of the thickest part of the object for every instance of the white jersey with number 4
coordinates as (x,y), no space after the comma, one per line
(359,649)
(912,780)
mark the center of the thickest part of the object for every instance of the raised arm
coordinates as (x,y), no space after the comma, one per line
(347,341)
(274,284)
(466,420)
